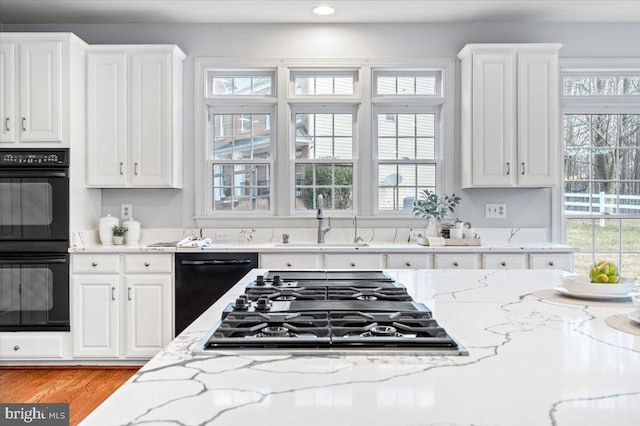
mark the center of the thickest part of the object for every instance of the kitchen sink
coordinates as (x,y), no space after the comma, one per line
(327,245)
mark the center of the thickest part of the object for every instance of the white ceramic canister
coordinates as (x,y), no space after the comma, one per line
(133,232)
(105,225)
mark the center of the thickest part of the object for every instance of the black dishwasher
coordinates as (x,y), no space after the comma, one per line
(202,278)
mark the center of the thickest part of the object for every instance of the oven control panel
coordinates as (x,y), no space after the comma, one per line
(34,158)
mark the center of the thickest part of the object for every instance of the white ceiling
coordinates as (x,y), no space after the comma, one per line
(299,11)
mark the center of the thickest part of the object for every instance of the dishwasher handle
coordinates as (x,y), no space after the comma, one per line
(216,262)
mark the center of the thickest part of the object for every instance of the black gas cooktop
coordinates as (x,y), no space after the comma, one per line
(328,311)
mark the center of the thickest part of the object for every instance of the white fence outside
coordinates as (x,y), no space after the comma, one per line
(597,204)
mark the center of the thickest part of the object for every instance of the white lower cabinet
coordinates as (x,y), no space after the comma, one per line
(504,261)
(563,261)
(291,261)
(124,314)
(34,345)
(456,261)
(409,261)
(354,261)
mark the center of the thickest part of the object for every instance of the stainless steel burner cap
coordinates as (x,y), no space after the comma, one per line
(383,330)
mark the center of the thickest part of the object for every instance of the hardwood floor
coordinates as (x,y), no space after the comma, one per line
(84,388)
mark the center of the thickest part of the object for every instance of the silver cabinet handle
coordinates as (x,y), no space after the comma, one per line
(16,348)
(551,263)
(408,263)
(128,293)
(455,263)
(121,164)
(24,127)
(523,167)
(289,264)
(147,264)
(503,263)
(113,293)
(353,263)
(6,124)
(508,169)
(94,264)
(135,169)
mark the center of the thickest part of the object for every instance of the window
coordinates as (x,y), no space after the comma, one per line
(602,166)
(406,136)
(276,133)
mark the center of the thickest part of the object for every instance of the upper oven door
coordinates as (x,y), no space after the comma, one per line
(34,205)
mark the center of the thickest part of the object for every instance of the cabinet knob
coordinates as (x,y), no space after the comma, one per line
(353,263)
(16,348)
(455,263)
(551,263)
(289,264)
(408,263)
(503,263)
(147,264)
(94,264)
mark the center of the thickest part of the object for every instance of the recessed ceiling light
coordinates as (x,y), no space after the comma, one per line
(323,10)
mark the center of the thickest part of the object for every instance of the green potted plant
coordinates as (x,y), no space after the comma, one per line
(119,232)
(433,208)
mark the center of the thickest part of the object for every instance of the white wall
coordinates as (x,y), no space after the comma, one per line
(174,208)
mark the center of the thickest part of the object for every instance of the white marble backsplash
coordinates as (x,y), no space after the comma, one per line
(308,235)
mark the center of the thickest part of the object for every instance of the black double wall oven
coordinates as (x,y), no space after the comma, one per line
(34,240)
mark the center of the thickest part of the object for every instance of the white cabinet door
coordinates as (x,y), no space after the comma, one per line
(537,118)
(7,93)
(148,314)
(107,120)
(354,261)
(562,261)
(291,261)
(456,261)
(493,119)
(150,119)
(40,88)
(95,321)
(409,261)
(504,261)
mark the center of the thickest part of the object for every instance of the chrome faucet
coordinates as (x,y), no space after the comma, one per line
(356,239)
(321,230)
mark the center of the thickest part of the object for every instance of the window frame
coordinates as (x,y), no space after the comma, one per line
(281,204)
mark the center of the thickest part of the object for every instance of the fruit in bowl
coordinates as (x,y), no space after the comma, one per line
(604,272)
(582,284)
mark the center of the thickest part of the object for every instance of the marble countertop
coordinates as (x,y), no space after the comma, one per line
(333,248)
(531,362)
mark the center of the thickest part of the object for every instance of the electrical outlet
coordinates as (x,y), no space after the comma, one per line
(126,210)
(495,210)
(223,236)
(414,235)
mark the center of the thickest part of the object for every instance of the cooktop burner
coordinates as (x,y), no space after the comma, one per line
(328,312)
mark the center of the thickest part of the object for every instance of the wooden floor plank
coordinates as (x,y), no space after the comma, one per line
(83,388)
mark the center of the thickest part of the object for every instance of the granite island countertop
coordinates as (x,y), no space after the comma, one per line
(531,362)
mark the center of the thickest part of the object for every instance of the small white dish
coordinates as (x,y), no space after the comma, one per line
(634,317)
(594,296)
(582,284)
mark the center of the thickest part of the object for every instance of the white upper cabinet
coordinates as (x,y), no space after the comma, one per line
(509,104)
(134,123)
(35,86)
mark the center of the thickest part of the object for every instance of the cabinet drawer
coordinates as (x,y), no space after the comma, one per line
(290,261)
(456,261)
(409,261)
(551,261)
(96,263)
(353,261)
(145,263)
(504,261)
(30,346)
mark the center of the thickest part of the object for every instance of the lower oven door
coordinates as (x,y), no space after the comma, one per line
(34,292)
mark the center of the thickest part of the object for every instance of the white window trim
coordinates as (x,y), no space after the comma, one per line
(281,202)
(587,105)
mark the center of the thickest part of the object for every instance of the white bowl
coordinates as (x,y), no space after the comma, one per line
(583,284)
